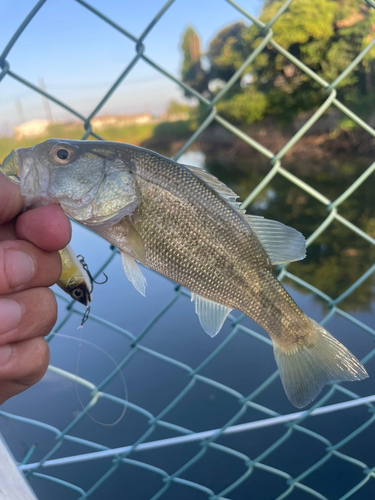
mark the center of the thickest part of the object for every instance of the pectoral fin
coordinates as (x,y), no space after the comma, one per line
(133,273)
(211,314)
(135,242)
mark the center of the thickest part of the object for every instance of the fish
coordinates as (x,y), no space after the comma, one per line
(187,225)
(74,279)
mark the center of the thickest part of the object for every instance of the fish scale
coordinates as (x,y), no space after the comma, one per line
(228,273)
(185,224)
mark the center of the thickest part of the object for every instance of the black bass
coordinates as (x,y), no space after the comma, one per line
(185,224)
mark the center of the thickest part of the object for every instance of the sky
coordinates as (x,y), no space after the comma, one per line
(79,56)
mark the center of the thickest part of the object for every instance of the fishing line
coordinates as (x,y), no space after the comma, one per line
(81,340)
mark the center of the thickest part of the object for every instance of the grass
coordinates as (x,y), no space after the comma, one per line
(130,133)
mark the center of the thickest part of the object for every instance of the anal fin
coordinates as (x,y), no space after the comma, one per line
(211,314)
(133,273)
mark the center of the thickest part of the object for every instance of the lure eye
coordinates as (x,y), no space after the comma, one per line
(63,154)
(77,293)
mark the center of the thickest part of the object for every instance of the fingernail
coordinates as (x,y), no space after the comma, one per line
(10,315)
(5,353)
(19,267)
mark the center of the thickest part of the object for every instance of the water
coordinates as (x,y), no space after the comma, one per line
(333,263)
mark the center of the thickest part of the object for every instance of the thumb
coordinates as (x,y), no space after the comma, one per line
(11,201)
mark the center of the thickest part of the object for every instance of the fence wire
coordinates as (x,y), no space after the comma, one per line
(293,425)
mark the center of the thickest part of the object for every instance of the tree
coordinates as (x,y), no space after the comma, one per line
(192,71)
(325,35)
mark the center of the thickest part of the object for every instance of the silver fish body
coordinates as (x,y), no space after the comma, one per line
(204,243)
(185,224)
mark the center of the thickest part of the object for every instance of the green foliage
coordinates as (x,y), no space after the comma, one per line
(179,129)
(191,48)
(244,107)
(305,20)
(175,108)
(326,35)
(132,133)
(227,51)
(192,72)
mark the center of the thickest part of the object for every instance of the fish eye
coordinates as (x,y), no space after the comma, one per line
(77,293)
(63,154)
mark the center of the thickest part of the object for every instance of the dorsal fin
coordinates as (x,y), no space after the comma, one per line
(211,314)
(219,187)
(282,243)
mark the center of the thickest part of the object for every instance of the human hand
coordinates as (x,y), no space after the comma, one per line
(29,264)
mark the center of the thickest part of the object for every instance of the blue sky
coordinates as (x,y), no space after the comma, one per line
(79,56)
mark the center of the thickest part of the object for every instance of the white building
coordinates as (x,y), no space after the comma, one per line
(34,128)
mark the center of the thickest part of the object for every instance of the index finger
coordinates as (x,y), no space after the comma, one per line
(11,201)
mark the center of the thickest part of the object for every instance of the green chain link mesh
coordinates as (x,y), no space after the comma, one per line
(294,487)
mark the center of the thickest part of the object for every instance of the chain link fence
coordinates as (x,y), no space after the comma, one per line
(270,458)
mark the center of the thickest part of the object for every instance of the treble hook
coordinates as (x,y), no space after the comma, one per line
(86,268)
(86,315)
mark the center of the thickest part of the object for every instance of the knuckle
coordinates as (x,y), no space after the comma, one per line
(50,306)
(40,356)
(42,314)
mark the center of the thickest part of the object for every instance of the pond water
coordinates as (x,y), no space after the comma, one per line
(333,263)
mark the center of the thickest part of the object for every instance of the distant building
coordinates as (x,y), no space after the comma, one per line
(117,120)
(34,128)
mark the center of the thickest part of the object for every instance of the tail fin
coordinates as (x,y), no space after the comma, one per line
(307,368)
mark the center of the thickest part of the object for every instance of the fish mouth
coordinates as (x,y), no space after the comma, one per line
(9,167)
(34,177)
